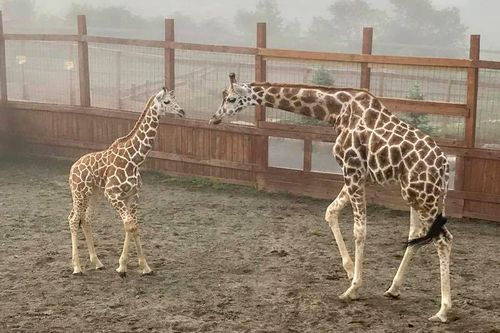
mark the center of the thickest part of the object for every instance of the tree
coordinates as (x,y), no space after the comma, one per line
(265,11)
(418,22)
(418,120)
(342,29)
(322,77)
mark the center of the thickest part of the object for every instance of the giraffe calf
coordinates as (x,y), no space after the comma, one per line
(115,171)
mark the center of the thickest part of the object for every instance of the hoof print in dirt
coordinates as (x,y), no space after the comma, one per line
(279,253)
(102,268)
(122,274)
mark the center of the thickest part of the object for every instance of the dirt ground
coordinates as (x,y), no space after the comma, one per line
(227,259)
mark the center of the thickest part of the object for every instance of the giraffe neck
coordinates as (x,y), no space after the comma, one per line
(141,138)
(322,103)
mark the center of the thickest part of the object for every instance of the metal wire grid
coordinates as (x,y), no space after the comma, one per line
(42,71)
(488,111)
(200,78)
(123,76)
(435,83)
(340,74)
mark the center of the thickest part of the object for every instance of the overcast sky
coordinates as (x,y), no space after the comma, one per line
(481,16)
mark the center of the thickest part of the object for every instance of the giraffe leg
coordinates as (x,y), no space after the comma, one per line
(143,265)
(416,230)
(358,202)
(332,217)
(75,218)
(443,246)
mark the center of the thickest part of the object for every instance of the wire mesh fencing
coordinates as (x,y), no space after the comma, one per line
(336,74)
(40,71)
(488,111)
(200,78)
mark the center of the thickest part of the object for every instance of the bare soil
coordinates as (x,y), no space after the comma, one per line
(227,259)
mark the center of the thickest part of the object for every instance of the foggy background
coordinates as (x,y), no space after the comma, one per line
(407,27)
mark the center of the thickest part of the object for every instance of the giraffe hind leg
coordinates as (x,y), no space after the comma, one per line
(88,233)
(416,230)
(75,218)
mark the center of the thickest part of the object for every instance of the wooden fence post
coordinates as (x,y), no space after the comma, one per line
(119,79)
(169,55)
(3,66)
(307,155)
(83,62)
(262,142)
(366,48)
(260,69)
(472,87)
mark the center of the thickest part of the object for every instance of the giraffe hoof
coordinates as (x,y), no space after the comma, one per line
(101,268)
(391,294)
(349,295)
(79,273)
(150,273)
(438,318)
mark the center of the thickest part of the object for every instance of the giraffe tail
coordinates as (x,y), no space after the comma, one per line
(437,226)
(434,231)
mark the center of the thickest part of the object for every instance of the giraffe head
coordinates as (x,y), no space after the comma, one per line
(234,99)
(164,102)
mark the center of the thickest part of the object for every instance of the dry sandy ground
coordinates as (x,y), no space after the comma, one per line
(227,259)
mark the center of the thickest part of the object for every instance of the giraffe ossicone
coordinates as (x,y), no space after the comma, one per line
(373,147)
(115,172)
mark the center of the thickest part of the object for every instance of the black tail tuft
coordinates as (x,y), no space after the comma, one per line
(434,231)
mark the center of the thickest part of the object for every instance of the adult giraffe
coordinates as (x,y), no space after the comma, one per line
(372,146)
(116,172)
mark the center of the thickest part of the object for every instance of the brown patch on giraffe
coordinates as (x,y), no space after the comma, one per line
(269,99)
(395,155)
(370,118)
(305,110)
(347,141)
(273,90)
(383,156)
(268,104)
(420,145)
(332,105)
(406,147)
(389,126)
(376,143)
(389,173)
(372,162)
(395,139)
(343,97)
(430,159)
(309,96)
(376,104)
(319,112)
(284,104)
(364,100)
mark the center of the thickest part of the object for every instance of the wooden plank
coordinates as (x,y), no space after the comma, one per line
(472,89)
(169,56)
(43,37)
(3,67)
(366,49)
(427,107)
(307,155)
(213,48)
(368,58)
(487,64)
(123,41)
(83,63)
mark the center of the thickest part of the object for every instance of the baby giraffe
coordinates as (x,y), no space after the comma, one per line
(115,171)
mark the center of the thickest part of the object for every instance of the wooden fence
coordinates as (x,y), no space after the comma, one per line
(240,154)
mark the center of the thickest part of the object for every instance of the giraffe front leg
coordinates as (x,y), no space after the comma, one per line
(357,197)
(443,246)
(332,217)
(143,265)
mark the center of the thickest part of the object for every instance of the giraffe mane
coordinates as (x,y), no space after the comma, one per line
(307,86)
(137,124)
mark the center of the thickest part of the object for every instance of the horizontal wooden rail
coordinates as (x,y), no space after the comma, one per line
(428,107)
(364,58)
(43,37)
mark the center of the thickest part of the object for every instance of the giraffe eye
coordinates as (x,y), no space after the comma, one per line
(166,102)
(231,99)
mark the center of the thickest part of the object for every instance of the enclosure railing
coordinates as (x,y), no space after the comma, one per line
(104,73)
